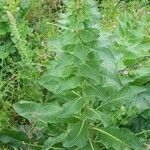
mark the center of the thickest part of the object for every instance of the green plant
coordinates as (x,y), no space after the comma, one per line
(95,92)
(90,107)
(113,9)
(20,63)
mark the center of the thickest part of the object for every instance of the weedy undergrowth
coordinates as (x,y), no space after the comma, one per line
(20,63)
(90,106)
(112,9)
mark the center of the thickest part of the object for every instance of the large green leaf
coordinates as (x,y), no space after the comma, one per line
(72,107)
(87,72)
(60,77)
(62,68)
(109,69)
(17,139)
(113,137)
(68,84)
(97,116)
(121,97)
(53,140)
(80,51)
(36,111)
(94,91)
(142,76)
(142,101)
(57,85)
(77,136)
(88,35)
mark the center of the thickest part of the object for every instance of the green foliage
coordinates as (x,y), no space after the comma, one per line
(112,9)
(92,94)
(118,138)
(23,55)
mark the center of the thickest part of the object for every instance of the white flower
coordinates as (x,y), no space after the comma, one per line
(125,72)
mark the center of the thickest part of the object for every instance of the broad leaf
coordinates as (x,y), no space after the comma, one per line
(17,139)
(113,137)
(77,136)
(97,116)
(53,140)
(123,96)
(72,107)
(36,111)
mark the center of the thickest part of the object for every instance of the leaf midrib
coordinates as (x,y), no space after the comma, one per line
(106,133)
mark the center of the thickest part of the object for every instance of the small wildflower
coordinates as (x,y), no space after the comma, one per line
(126,72)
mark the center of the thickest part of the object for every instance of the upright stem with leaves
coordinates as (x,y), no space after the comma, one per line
(86,88)
(85,80)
